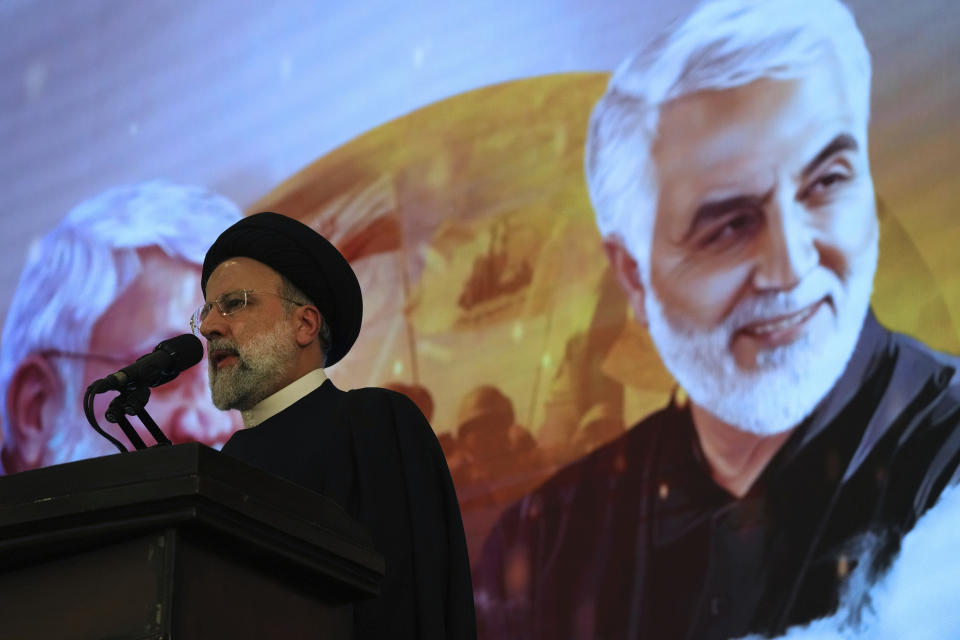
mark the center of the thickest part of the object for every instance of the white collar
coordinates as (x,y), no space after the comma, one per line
(277,402)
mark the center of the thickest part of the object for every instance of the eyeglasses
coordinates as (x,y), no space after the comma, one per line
(228,304)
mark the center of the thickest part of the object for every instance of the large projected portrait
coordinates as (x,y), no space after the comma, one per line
(728,168)
(675,284)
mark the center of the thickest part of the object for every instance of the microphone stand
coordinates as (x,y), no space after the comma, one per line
(133,402)
(92,418)
(128,430)
(159,436)
(128,402)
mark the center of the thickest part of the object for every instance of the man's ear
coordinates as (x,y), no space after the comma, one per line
(34,400)
(628,274)
(308,324)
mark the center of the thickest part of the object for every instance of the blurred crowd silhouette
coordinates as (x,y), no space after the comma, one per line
(495,461)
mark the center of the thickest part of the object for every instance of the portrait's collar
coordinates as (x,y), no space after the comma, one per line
(277,402)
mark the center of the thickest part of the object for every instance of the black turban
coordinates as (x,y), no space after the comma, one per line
(306,259)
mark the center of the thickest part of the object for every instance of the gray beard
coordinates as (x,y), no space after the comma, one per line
(254,376)
(789,381)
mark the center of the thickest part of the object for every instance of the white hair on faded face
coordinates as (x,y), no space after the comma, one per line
(77,270)
(723,44)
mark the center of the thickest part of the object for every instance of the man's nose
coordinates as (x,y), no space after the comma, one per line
(214,325)
(788,251)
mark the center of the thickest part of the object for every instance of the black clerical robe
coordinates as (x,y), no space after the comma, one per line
(373,452)
(637,541)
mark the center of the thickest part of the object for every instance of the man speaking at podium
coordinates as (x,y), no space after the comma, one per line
(281,304)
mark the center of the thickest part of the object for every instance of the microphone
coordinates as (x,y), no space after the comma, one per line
(159,367)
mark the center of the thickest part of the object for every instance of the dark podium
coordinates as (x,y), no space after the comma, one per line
(176,543)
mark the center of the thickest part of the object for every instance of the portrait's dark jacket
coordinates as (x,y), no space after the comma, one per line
(637,541)
(373,452)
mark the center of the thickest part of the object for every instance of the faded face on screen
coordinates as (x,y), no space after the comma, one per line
(764,246)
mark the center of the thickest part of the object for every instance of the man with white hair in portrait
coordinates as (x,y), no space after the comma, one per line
(727,164)
(115,277)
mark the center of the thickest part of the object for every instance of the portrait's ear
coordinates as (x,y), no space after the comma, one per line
(34,399)
(628,274)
